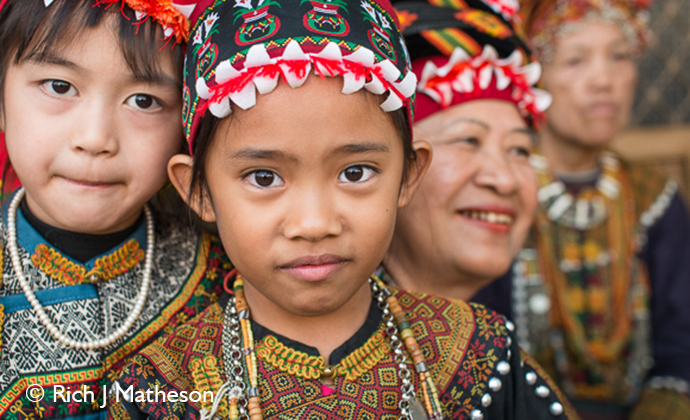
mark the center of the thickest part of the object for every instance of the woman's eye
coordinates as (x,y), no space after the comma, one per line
(622,56)
(59,88)
(473,141)
(265,179)
(521,151)
(357,173)
(573,61)
(144,102)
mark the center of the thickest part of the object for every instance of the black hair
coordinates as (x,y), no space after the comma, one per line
(208,127)
(31,31)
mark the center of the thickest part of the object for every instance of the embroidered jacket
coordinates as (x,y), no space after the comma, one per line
(655,351)
(471,352)
(89,301)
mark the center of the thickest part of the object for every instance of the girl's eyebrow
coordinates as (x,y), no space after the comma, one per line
(354,148)
(48,58)
(267,154)
(157,78)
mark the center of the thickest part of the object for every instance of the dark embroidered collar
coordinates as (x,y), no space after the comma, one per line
(81,247)
(370,326)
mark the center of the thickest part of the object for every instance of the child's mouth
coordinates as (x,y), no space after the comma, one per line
(89,183)
(314,268)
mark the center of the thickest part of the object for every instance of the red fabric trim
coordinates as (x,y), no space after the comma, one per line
(514,93)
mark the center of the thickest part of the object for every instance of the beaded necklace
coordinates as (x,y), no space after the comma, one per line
(240,359)
(589,208)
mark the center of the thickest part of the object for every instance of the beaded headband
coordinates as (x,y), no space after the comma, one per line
(468,52)
(241,48)
(546,20)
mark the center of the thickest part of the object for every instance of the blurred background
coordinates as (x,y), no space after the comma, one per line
(660,124)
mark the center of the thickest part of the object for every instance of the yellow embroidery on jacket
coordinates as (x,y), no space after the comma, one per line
(206,376)
(105,268)
(301,364)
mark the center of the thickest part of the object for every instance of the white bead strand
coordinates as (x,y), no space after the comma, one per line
(35,304)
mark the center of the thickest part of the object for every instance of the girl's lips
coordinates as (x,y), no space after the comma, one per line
(314,268)
(86,183)
(313,273)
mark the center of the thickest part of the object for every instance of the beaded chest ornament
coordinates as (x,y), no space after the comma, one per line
(239,356)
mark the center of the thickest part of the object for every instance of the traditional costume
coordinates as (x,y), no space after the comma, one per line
(416,356)
(600,293)
(74,307)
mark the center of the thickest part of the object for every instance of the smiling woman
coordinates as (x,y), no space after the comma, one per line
(477,109)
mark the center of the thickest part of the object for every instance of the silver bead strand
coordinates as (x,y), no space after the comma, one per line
(232,358)
(406,387)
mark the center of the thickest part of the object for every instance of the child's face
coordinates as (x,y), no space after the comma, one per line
(304,188)
(88,140)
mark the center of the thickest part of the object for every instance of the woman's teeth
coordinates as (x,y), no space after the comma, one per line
(488,216)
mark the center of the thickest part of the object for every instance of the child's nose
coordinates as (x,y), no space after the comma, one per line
(97,132)
(312,217)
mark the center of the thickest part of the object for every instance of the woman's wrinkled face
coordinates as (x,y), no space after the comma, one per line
(592,78)
(477,201)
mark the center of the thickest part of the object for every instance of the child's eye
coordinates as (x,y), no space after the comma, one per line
(265,179)
(357,173)
(59,88)
(144,102)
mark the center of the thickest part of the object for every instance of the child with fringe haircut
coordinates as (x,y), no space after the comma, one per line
(90,103)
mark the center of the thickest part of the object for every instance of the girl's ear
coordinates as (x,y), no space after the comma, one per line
(416,171)
(180,173)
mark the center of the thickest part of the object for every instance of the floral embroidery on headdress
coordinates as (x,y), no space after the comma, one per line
(274,40)
(545,20)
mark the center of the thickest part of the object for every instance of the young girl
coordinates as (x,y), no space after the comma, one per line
(91,273)
(300,132)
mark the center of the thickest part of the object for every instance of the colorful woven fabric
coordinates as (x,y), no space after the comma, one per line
(242,47)
(471,353)
(187,278)
(469,50)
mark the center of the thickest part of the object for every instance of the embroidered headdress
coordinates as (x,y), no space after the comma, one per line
(470,50)
(545,20)
(241,48)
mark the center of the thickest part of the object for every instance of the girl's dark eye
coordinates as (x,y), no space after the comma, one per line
(265,179)
(357,173)
(59,88)
(143,102)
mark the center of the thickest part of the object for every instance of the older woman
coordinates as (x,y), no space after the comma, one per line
(476,106)
(601,295)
